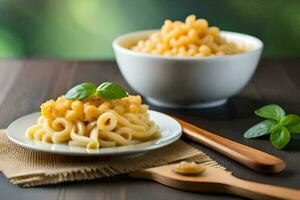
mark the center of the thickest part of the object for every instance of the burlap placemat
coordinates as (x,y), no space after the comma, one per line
(28,168)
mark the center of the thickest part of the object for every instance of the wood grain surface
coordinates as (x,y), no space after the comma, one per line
(24,84)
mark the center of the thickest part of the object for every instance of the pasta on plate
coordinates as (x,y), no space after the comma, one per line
(94,122)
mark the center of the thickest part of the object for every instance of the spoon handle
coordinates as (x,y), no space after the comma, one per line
(250,157)
(261,191)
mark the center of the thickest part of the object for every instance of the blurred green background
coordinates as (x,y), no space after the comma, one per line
(84,29)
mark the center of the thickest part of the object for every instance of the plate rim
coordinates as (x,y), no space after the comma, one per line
(177,135)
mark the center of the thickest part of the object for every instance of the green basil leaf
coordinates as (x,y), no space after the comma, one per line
(280,137)
(290,120)
(260,129)
(110,90)
(272,111)
(81,91)
(294,129)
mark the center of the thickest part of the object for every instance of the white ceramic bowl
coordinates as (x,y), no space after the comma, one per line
(187,81)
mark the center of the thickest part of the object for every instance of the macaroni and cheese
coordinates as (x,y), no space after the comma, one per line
(190,38)
(94,122)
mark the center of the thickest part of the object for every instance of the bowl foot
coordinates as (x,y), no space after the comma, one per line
(203,104)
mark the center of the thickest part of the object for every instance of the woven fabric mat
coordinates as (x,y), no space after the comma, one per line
(28,168)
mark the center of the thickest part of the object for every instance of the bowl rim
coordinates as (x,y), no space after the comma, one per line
(117,47)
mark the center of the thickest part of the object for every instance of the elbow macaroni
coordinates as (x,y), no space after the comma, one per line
(190,38)
(94,123)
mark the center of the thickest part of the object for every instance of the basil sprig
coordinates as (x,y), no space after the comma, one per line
(107,90)
(81,91)
(276,122)
(111,91)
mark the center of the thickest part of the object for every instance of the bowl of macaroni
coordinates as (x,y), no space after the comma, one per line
(187,64)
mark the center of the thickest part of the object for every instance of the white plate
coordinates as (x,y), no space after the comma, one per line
(170,131)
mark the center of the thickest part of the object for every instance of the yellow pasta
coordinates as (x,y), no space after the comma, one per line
(107,121)
(192,38)
(78,134)
(94,122)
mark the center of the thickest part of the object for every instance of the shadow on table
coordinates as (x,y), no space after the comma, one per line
(236,107)
(294,144)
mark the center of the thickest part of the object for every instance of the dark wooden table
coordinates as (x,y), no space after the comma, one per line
(25,84)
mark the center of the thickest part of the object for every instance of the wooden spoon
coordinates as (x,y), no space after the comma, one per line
(213,180)
(250,157)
